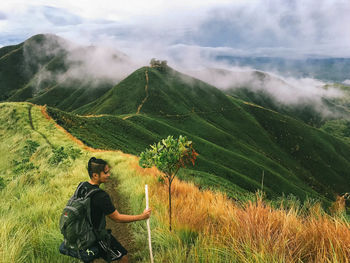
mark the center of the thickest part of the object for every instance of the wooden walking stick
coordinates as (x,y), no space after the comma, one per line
(148,226)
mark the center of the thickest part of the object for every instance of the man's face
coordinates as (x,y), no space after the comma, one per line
(104,175)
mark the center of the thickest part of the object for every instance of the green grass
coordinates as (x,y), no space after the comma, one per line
(35,190)
(40,168)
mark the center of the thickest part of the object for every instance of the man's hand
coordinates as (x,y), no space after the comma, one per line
(146,213)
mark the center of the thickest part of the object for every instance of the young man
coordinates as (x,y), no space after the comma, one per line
(101,204)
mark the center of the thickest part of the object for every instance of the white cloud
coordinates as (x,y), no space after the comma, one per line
(118,9)
(266,28)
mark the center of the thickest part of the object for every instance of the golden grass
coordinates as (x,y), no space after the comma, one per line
(255,227)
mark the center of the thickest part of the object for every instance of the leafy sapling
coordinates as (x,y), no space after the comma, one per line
(169,155)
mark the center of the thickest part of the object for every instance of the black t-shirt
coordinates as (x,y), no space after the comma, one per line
(101,203)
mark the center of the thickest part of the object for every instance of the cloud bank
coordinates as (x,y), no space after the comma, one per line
(285,91)
(75,65)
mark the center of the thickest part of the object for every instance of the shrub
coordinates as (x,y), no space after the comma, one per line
(24,166)
(30,148)
(73,153)
(58,156)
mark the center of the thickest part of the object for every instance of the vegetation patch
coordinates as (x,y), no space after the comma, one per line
(62,154)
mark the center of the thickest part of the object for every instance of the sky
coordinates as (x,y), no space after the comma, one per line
(165,29)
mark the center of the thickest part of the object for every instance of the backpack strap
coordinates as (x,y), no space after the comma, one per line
(92,191)
(89,195)
(77,190)
(85,195)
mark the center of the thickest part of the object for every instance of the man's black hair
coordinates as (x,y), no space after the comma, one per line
(96,166)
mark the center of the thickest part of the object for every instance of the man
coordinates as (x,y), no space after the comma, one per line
(101,205)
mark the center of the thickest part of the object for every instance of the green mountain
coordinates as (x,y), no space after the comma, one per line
(41,71)
(237,141)
(20,63)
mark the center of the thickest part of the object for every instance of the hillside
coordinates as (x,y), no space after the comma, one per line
(41,167)
(20,63)
(235,140)
(289,97)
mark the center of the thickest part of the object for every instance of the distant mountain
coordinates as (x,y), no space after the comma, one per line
(47,69)
(20,63)
(165,92)
(326,69)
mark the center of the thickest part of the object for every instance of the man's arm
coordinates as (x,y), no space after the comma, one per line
(120,218)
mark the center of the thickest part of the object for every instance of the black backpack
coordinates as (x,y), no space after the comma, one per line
(75,222)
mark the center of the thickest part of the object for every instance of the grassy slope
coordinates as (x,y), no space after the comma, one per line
(304,112)
(340,125)
(34,190)
(29,230)
(234,143)
(325,156)
(337,109)
(234,148)
(206,226)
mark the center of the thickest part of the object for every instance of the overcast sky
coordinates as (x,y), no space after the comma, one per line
(157,28)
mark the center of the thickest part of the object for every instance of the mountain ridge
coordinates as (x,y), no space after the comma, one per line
(236,130)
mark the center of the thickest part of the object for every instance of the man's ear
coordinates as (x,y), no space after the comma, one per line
(95,175)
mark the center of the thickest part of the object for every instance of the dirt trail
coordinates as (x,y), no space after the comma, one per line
(33,128)
(122,232)
(143,101)
(146,90)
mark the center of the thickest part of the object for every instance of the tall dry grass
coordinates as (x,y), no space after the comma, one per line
(255,231)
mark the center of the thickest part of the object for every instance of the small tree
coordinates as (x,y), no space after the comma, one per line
(169,155)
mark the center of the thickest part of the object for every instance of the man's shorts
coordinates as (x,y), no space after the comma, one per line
(115,250)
